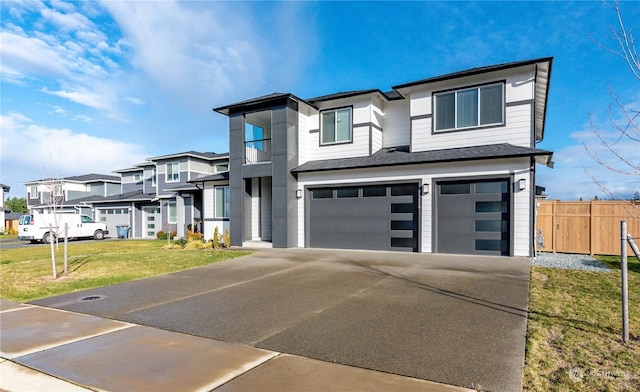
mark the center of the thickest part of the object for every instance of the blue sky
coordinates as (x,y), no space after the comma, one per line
(99,86)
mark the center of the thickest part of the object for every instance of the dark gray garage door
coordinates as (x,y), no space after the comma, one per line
(376,217)
(473,217)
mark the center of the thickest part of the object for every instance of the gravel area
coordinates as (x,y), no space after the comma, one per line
(569,261)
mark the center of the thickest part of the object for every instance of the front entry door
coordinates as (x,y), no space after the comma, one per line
(152,221)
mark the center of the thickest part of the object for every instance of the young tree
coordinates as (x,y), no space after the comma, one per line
(53,199)
(624,119)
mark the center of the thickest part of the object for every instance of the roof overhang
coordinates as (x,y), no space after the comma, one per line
(401,157)
(543,77)
(259,103)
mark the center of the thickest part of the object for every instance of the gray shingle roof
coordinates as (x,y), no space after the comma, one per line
(203,155)
(129,196)
(474,71)
(92,177)
(213,177)
(402,156)
(256,102)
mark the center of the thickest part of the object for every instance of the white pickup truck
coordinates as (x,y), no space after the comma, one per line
(35,228)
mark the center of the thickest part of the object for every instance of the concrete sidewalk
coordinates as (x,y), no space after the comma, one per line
(46,349)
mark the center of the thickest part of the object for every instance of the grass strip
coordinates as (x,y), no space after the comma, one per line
(26,273)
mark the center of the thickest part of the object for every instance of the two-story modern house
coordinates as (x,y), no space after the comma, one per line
(63,194)
(165,194)
(443,165)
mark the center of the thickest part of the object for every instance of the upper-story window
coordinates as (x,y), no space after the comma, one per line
(33,192)
(335,126)
(257,137)
(137,177)
(173,172)
(468,108)
(153,177)
(57,190)
(222,167)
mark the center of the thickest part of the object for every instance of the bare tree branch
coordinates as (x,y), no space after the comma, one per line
(624,120)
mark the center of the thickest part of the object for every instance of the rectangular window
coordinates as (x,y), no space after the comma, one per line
(222,167)
(173,172)
(33,192)
(335,126)
(491,187)
(374,191)
(57,190)
(325,193)
(153,177)
(222,201)
(342,193)
(173,212)
(455,189)
(468,108)
(137,177)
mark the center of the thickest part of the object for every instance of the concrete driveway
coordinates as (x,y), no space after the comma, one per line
(459,320)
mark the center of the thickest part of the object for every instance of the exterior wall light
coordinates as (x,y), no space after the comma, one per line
(298,193)
(522,184)
(425,189)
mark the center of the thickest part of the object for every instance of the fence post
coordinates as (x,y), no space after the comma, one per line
(625,286)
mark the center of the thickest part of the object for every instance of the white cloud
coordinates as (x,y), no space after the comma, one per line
(27,148)
(198,52)
(83,97)
(577,174)
(67,21)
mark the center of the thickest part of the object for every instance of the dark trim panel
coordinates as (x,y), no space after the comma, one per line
(518,103)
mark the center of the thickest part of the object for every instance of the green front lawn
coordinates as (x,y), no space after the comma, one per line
(574,330)
(27,274)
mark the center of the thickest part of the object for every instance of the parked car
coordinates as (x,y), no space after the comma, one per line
(48,227)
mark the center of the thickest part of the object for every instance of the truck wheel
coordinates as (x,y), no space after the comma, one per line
(98,235)
(47,237)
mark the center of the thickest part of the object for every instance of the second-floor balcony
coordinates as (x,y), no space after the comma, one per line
(256,151)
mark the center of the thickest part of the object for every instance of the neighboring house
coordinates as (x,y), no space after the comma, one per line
(166,193)
(443,165)
(62,194)
(3,189)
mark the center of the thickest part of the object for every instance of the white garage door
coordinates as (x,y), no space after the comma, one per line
(113,217)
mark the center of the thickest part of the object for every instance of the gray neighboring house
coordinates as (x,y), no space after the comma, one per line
(67,193)
(166,193)
(444,165)
(3,189)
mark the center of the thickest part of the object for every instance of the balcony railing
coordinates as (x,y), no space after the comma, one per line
(256,151)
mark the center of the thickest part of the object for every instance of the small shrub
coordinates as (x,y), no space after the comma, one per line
(180,242)
(161,235)
(194,236)
(227,239)
(196,245)
(216,238)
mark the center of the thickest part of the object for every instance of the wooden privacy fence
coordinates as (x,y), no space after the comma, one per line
(585,227)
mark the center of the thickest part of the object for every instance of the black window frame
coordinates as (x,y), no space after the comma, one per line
(322,131)
(479,125)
